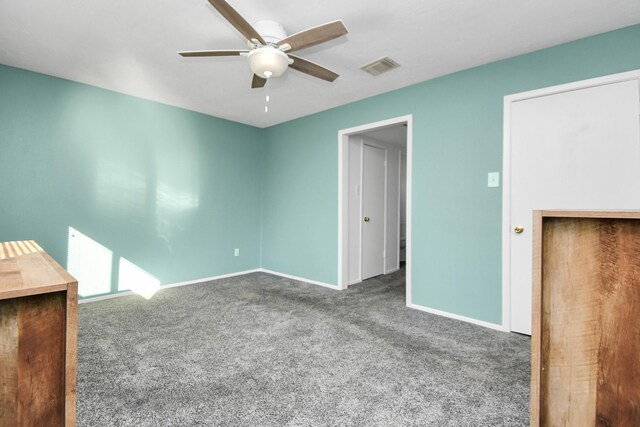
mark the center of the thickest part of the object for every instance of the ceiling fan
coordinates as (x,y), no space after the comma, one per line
(269,46)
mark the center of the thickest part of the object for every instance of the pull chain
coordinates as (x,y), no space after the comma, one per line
(266,102)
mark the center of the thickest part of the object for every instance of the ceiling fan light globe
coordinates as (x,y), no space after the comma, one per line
(265,60)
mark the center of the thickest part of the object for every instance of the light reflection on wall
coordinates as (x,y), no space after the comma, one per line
(120,189)
(134,278)
(90,263)
(177,190)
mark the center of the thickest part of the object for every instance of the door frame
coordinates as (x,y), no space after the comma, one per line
(506,169)
(343,163)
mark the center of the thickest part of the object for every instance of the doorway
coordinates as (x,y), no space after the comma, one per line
(374,205)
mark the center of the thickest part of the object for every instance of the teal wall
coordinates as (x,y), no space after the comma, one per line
(175,191)
(170,190)
(457,139)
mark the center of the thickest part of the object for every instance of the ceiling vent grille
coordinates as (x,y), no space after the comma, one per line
(380,66)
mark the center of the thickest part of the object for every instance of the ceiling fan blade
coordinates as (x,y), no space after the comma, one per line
(257,82)
(315,35)
(312,69)
(236,20)
(213,52)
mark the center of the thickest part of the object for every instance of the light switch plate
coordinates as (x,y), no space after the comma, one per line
(493,179)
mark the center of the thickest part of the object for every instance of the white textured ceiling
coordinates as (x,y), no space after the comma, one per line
(130,46)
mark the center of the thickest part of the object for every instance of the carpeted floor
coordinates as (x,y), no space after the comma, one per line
(260,350)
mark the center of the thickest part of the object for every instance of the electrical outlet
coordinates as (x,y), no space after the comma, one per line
(236,252)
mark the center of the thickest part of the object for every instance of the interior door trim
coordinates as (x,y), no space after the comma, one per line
(343,141)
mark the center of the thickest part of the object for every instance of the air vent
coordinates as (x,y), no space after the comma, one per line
(380,66)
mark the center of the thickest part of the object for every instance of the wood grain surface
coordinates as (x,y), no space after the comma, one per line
(618,388)
(41,359)
(586,320)
(71,354)
(570,298)
(25,269)
(32,354)
(8,362)
(536,327)
(38,338)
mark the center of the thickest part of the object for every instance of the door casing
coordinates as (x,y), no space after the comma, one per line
(343,146)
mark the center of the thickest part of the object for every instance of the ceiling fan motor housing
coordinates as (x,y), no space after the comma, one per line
(271,31)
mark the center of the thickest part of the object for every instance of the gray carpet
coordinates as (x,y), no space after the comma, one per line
(260,350)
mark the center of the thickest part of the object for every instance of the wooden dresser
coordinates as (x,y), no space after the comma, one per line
(38,338)
(585,343)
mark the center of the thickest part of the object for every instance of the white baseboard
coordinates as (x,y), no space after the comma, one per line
(172,285)
(457,317)
(222,276)
(299,279)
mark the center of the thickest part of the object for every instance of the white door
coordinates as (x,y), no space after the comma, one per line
(572,150)
(373,202)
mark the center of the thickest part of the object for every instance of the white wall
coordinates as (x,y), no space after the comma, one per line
(392,211)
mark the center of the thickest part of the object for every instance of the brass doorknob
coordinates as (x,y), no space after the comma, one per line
(366,219)
(519,229)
